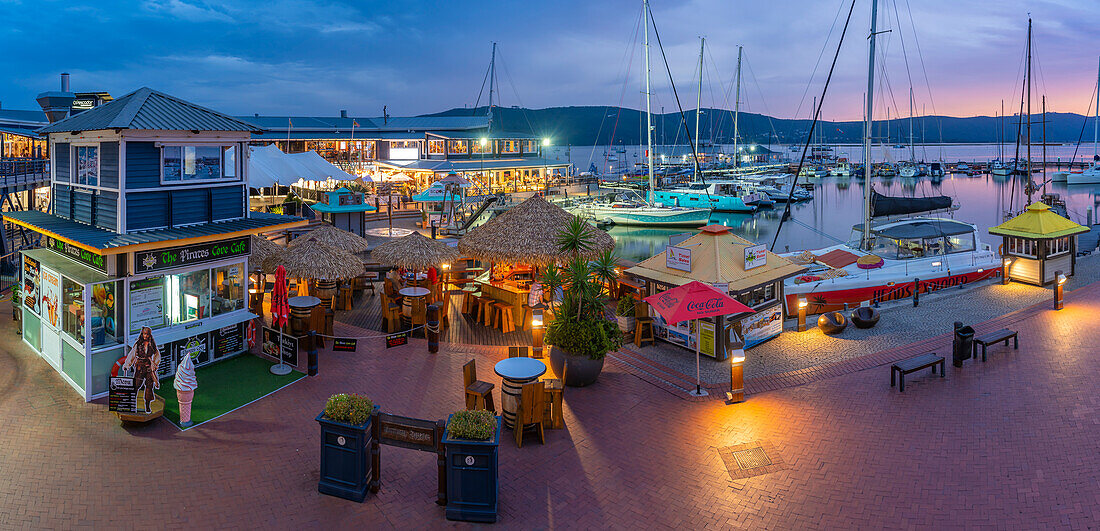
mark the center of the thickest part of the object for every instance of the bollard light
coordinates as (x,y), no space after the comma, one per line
(1004,273)
(1059,283)
(802,314)
(536,333)
(737,377)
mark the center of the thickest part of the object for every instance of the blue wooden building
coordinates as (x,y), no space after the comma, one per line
(149,226)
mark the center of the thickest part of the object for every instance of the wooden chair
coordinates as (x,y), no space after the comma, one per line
(479,394)
(555,394)
(391,313)
(517,352)
(419,312)
(530,412)
(445,310)
(643,325)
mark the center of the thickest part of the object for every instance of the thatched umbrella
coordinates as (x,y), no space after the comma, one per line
(262,249)
(333,237)
(414,251)
(315,260)
(527,233)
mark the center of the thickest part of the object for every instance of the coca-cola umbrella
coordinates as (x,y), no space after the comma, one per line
(694,300)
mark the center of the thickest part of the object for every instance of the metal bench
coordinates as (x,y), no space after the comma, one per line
(914,364)
(993,338)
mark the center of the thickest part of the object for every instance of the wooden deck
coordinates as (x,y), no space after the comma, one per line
(367,313)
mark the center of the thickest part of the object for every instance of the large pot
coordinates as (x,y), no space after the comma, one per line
(626,323)
(582,369)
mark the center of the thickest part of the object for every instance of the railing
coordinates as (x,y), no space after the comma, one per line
(24,171)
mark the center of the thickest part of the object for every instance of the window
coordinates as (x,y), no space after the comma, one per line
(933,246)
(435,147)
(87,165)
(1022,247)
(960,243)
(476,147)
(190,296)
(229,288)
(398,144)
(199,163)
(72,299)
(460,147)
(758,296)
(529,146)
(147,304)
(509,146)
(1058,246)
(885,247)
(105,318)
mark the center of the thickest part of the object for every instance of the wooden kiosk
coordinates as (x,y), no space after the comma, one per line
(746,271)
(1037,243)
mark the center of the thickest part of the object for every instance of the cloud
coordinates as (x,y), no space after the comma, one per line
(189,11)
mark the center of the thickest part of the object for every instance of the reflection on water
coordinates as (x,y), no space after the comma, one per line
(828,219)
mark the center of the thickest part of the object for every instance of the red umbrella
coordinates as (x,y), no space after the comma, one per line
(280,308)
(694,300)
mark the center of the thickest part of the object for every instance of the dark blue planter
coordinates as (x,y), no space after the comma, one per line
(345,458)
(472,479)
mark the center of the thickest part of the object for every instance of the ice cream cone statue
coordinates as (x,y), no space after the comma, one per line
(144,358)
(185,385)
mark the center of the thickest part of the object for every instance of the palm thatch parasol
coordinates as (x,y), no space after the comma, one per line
(333,237)
(414,251)
(313,259)
(262,249)
(528,234)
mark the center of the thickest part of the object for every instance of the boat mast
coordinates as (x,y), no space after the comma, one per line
(1096,121)
(912,152)
(648,118)
(737,111)
(1044,144)
(492,76)
(865,242)
(1001,139)
(698,108)
(1027,182)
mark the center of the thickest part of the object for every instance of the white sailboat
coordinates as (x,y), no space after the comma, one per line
(1091,175)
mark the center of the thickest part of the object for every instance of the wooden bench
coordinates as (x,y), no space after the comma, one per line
(993,338)
(914,364)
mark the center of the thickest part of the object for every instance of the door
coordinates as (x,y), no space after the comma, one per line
(51,316)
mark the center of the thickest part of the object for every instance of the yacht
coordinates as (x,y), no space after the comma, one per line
(1088,176)
(842,169)
(907,170)
(720,196)
(629,209)
(998,167)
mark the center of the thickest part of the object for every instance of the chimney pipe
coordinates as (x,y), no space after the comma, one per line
(64,82)
(343,114)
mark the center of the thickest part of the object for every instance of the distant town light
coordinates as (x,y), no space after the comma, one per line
(546,142)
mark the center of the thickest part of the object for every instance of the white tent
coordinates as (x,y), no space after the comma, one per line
(319,167)
(268,166)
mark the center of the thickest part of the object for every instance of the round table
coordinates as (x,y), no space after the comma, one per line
(300,308)
(408,295)
(515,372)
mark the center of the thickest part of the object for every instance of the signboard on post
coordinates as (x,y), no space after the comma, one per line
(415,434)
(283,347)
(396,340)
(678,258)
(756,256)
(344,344)
(122,395)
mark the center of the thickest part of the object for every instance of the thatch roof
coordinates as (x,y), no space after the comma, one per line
(313,259)
(414,251)
(526,233)
(262,249)
(333,237)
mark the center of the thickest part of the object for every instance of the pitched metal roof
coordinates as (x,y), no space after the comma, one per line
(460,135)
(29,118)
(21,131)
(148,109)
(343,134)
(105,242)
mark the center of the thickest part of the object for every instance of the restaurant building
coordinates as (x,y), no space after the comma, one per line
(148,226)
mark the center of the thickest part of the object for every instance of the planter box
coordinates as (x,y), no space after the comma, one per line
(626,324)
(472,478)
(345,458)
(582,369)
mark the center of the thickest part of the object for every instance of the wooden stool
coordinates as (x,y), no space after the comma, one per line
(528,310)
(469,301)
(505,319)
(643,331)
(484,310)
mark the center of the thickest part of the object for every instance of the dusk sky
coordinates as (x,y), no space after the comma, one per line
(315,58)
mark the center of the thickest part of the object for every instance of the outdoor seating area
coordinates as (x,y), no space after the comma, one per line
(531,401)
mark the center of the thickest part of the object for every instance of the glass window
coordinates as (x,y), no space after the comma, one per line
(933,246)
(192,163)
(190,294)
(87,165)
(460,147)
(72,299)
(758,296)
(1058,246)
(105,318)
(477,147)
(960,243)
(884,247)
(910,249)
(435,147)
(147,307)
(229,288)
(229,161)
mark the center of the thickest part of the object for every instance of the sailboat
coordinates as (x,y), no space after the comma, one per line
(908,169)
(645,212)
(1092,174)
(883,261)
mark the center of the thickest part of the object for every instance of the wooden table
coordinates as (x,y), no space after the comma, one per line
(515,372)
(408,294)
(300,308)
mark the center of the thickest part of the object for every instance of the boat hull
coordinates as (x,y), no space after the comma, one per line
(821,297)
(718,203)
(1090,176)
(623,216)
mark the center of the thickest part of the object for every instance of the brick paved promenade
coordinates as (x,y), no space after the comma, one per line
(1011,443)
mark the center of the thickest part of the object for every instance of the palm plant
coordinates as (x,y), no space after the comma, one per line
(605,268)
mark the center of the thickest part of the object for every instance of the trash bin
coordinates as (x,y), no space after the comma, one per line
(963,344)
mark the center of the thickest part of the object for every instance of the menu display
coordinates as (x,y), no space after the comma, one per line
(121,395)
(228,340)
(50,284)
(30,283)
(146,303)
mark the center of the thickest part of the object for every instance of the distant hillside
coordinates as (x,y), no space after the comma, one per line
(602,125)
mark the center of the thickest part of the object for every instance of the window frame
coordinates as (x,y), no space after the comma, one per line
(74,164)
(1053,246)
(221,157)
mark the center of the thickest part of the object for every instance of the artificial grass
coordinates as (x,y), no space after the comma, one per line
(225,386)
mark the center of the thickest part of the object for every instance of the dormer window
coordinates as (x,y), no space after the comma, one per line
(198,163)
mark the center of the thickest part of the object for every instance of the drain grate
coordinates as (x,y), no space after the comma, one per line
(752,458)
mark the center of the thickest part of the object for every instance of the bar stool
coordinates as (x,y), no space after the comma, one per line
(643,331)
(528,310)
(466,294)
(506,321)
(485,310)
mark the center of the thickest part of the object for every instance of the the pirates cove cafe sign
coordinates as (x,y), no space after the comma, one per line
(88,258)
(148,261)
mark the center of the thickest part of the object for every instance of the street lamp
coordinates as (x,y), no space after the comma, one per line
(483,142)
(1059,283)
(536,333)
(802,314)
(545,142)
(1004,270)
(737,377)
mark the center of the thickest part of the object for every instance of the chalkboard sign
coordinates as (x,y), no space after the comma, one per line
(122,395)
(396,340)
(228,340)
(344,344)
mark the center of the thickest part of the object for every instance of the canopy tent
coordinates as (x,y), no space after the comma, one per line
(269,166)
(436,193)
(320,168)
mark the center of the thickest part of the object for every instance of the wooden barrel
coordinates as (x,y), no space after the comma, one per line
(326,290)
(509,400)
(299,320)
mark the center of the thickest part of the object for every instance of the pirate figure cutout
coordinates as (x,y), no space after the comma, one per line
(144,358)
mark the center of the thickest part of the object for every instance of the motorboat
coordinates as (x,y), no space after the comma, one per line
(998,167)
(1091,175)
(720,196)
(629,209)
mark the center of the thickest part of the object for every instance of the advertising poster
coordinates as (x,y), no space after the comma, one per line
(30,284)
(755,256)
(762,325)
(396,340)
(678,258)
(146,303)
(122,396)
(198,347)
(228,340)
(344,344)
(50,299)
(271,342)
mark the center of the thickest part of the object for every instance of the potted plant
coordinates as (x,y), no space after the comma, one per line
(624,313)
(472,441)
(345,446)
(581,332)
(17,308)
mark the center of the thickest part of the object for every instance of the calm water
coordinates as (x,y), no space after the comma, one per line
(837,205)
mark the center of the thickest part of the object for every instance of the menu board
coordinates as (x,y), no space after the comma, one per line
(228,340)
(30,283)
(146,303)
(50,284)
(122,396)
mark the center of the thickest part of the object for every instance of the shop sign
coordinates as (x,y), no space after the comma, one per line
(706,338)
(344,344)
(762,325)
(146,261)
(122,396)
(50,284)
(283,347)
(396,340)
(30,283)
(756,256)
(228,340)
(85,257)
(405,432)
(146,303)
(678,258)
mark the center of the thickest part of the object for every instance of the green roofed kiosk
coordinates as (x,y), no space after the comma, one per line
(149,226)
(1037,243)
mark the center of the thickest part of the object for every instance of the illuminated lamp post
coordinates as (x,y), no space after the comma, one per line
(1059,284)
(737,377)
(802,314)
(1004,270)
(483,142)
(536,333)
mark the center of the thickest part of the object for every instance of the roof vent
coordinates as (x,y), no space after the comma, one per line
(64,82)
